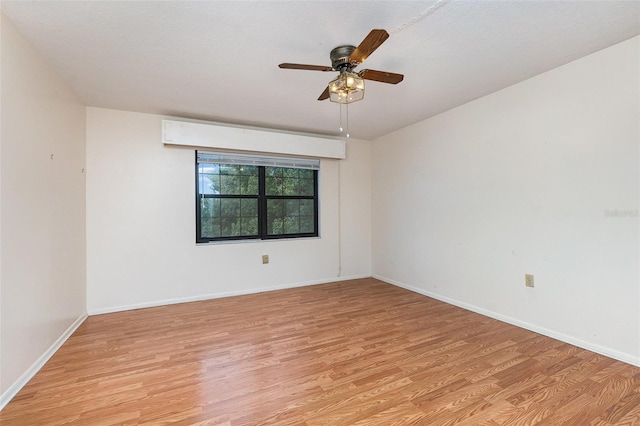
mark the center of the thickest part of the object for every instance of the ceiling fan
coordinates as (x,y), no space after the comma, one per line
(349,86)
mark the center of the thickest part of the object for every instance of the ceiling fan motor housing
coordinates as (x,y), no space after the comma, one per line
(340,57)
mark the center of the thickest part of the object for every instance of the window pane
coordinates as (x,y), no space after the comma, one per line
(273,185)
(274,171)
(305,174)
(291,225)
(249,225)
(206,207)
(230,207)
(210,228)
(229,169)
(306,207)
(275,217)
(248,170)
(230,227)
(208,184)
(275,209)
(306,224)
(290,173)
(290,186)
(229,185)
(292,207)
(249,185)
(275,226)
(249,207)
(306,187)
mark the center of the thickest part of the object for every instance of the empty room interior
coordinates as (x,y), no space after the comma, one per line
(320,213)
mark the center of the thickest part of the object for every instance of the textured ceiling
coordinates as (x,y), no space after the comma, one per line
(218,60)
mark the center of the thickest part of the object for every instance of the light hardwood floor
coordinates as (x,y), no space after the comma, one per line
(359,352)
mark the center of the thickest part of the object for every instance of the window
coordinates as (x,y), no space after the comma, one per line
(255,197)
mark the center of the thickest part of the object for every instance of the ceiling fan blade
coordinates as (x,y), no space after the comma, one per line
(325,94)
(382,76)
(370,43)
(305,67)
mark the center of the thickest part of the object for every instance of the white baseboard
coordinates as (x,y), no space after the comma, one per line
(210,296)
(39,363)
(602,350)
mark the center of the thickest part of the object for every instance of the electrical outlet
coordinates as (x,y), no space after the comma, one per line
(265,259)
(528,280)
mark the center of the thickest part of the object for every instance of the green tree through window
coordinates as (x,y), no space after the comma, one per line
(249,201)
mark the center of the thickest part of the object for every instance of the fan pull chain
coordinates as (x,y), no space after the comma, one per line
(347,120)
(341,129)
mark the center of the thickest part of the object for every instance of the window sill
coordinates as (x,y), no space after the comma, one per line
(254,241)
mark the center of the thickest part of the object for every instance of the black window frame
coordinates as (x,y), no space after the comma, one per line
(263,199)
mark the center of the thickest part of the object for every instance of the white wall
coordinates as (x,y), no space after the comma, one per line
(141,247)
(42,222)
(520,181)
(355,209)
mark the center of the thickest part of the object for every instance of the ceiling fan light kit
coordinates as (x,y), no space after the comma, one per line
(347,88)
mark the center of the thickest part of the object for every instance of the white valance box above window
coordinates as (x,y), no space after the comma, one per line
(209,136)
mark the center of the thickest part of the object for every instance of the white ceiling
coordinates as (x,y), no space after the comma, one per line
(218,60)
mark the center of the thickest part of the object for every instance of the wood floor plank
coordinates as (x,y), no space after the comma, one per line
(358,352)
